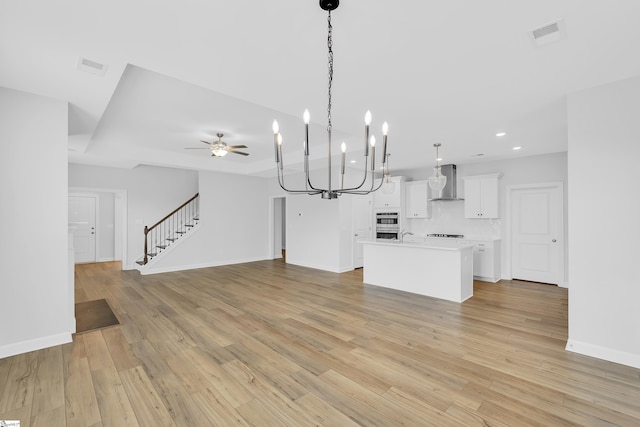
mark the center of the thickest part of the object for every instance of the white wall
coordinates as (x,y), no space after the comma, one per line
(319,232)
(448,217)
(152,193)
(604,222)
(313,232)
(234,225)
(34,286)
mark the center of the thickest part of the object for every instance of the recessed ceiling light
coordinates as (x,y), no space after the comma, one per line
(352,161)
(477,155)
(517,148)
(499,134)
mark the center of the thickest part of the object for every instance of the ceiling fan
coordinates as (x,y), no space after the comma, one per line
(219,148)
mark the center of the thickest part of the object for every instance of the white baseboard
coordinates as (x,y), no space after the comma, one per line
(316,266)
(604,353)
(147,270)
(34,344)
(106,259)
(486,279)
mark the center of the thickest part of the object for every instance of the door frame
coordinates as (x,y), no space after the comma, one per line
(120,216)
(507,271)
(371,226)
(272,239)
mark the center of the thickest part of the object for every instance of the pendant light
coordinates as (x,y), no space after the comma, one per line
(367,184)
(388,187)
(437,181)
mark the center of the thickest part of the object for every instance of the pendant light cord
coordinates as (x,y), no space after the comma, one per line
(330,46)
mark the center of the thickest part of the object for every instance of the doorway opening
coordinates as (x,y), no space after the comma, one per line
(110,223)
(279,228)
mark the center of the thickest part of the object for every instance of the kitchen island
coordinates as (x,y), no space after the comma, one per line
(437,269)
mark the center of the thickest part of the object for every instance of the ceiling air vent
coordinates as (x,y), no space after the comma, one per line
(92,67)
(549,33)
(545,31)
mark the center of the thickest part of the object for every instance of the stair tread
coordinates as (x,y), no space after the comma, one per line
(175,220)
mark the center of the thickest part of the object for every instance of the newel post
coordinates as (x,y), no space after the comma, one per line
(146,231)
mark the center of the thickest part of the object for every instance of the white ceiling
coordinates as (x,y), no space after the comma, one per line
(453,72)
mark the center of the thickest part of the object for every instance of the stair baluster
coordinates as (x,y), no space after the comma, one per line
(170,228)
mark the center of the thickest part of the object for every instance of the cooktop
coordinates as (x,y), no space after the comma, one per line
(453,236)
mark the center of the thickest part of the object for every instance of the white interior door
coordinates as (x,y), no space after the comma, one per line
(362,220)
(536,234)
(82,223)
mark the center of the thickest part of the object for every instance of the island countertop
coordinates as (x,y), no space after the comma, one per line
(449,245)
(436,269)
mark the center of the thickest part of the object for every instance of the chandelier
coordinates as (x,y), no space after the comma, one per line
(367,185)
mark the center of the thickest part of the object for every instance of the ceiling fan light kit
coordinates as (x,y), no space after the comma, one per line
(367,185)
(220,148)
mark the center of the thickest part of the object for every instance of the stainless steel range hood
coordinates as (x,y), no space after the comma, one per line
(450,190)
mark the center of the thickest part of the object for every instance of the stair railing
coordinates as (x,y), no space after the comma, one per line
(170,228)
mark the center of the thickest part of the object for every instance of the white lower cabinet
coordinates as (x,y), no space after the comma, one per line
(486,260)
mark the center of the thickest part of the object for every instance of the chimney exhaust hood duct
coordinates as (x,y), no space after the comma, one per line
(450,190)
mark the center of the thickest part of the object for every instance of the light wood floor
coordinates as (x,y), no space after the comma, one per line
(270,344)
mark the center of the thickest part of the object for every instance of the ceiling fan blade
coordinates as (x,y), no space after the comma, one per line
(237,146)
(238,152)
(197,148)
(209,143)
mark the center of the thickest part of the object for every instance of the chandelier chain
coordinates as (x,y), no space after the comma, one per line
(330,62)
(368,184)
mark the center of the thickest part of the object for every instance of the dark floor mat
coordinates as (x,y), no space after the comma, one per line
(92,315)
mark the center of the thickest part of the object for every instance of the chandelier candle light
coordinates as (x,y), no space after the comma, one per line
(369,142)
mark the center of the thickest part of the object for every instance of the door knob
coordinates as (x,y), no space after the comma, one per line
(554,240)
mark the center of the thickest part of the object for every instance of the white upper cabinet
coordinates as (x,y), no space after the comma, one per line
(417,195)
(481,196)
(395,199)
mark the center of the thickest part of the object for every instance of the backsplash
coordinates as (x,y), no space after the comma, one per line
(448,218)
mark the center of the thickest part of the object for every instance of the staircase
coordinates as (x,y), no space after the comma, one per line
(170,229)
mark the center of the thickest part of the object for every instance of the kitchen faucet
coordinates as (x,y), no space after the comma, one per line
(403,233)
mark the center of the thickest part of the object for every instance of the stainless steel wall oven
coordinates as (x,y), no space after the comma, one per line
(387,225)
